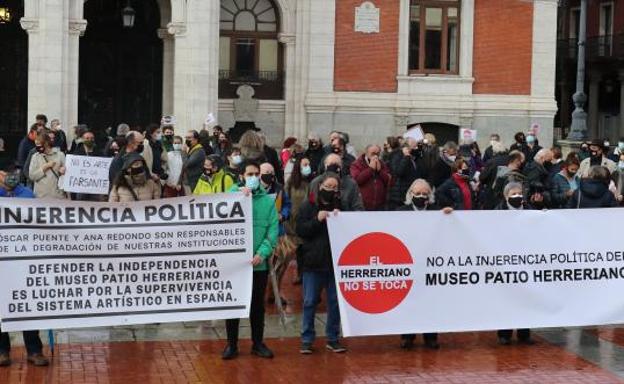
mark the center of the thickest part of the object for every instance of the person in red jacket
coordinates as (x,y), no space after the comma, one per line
(372,176)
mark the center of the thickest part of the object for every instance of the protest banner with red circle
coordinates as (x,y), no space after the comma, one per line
(375,272)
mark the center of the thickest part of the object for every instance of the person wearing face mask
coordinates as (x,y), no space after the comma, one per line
(133,182)
(596,158)
(457,191)
(409,167)
(537,173)
(193,166)
(565,182)
(532,146)
(168,134)
(315,152)
(46,168)
(296,151)
(265,231)
(419,198)
(315,261)
(156,157)
(488,154)
(351,199)
(298,189)
(487,177)
(284,251)
(593,191)
(338,147)
(520,144)
(617,151)
(222,146)
(175,161)
(10,186)
(214,179)
(514,201)
(87,145)
(133,144)
(441,170)
(373,178)
(60,140)
(234,160)
(512,172)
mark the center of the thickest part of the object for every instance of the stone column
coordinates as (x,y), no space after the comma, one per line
(168,70)
(593,112)
(290,129)
(46,93)
(71,78)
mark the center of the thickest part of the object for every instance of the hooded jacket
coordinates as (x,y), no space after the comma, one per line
(124,192)
(592,194)
(265,225)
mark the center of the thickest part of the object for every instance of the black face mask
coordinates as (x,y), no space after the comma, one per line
(168,138)
(465,173)
(312,144)
(40,148)
(189,143)
(207,172)
(420,202)
(267,178)
(140,148)
(328,200)
(515,202)
(595,155)
(335,168)
(336,150)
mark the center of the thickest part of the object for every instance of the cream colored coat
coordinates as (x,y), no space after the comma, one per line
(46,183)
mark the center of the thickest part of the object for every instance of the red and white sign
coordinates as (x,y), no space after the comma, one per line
(375,273)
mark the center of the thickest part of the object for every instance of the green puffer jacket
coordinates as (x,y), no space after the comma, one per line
(265,225)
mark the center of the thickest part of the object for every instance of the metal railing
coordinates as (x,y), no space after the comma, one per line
(605,47)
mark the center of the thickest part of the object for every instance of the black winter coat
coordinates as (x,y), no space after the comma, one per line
(440,172)
(450,195)
(406,169)
(593,194)
(314,254)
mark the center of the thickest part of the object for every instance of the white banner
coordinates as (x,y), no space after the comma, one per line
(86,174)
(417,272)
(80,264)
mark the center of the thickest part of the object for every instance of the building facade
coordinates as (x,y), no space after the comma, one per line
(604,67)
(367,67)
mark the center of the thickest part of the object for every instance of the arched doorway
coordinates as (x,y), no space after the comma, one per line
(13,75)
(121,68)
(249,50)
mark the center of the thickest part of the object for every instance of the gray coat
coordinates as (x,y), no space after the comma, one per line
(350,197)
(194,167)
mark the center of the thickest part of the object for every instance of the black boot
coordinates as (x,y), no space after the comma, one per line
(230,352)
(261,350)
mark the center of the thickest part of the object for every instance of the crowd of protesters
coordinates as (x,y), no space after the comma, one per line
(309,181)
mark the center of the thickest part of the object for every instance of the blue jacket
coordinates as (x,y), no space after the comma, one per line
(19,191)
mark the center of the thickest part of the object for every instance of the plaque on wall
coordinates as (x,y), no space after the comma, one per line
(367,18)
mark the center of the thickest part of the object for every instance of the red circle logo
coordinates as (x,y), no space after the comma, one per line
(375,273)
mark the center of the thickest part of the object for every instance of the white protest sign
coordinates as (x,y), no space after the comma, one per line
(168,120)
(86,174)
(81,264)
(415,133)
(468,135)
(210,119)
(395,274)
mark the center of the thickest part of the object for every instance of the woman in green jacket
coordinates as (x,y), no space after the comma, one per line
(265,231)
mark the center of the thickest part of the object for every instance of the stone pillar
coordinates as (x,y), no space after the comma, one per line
(592,111)
(71,79)
(290,129)
(46,92)
(168,70)
(196,62)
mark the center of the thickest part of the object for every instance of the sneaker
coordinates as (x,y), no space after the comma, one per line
(230,352)
(5,360)
(306,348)
(261,350)
(336,347)
(38,360)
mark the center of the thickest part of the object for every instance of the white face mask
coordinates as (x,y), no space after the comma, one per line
(451,158)
(177,147)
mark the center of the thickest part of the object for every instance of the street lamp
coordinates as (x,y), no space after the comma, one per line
(578,131)
(128,14)
(5,15)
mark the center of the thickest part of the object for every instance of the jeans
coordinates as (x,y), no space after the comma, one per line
(256,312)
(31,341)
(313,284)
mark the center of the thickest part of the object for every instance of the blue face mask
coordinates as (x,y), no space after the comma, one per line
(237,160)
(621,146)
(252,182)
(530,139)
(306,171)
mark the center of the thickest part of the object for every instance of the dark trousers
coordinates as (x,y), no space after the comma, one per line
(427,337)
(523,334)
(31,341)
(256,312)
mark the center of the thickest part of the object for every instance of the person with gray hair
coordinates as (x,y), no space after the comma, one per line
(419,198)
(350,197)
(373,178)
(123,129)
(441,170)
(315,152)
(538,178)
(593,191)
(514,201)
